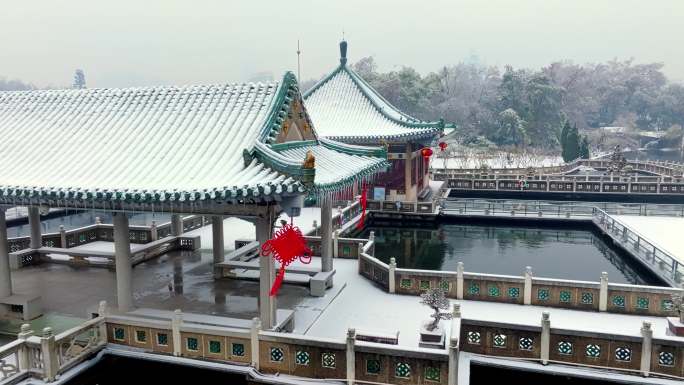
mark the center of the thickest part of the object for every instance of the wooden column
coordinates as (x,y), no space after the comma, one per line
(217,246)
(5,272)
(408,171)
(122,257)
(34,224)
(267,304)
(326,234)
(176,225)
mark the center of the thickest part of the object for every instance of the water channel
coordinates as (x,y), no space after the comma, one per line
(575,253)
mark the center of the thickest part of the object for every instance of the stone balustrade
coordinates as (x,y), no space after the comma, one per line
(105,232)
(284,353)
(427,207)
(669,170)
(349,360)
(46,356)
(524,290)
(156,240)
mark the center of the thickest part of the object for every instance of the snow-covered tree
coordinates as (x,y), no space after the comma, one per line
(437,300)
(79,80)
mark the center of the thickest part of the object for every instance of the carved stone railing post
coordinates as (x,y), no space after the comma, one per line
(459,280)
(527,290)
(452,375)
(49,353)
(176,323)
(646,348)
(98,221)
(360,259)
(351,356)
(62,237)
(23,356)
(102,313)
(254,341)
(545,338)
(603,292)
(392,275)
(153,231)
(336,242)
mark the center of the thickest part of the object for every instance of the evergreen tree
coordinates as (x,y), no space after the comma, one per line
(584,148)
(564,141)
(573,144)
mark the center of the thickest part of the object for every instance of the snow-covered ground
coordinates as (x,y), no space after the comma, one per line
(663,232)
(363,305)
(497,160)
(19,212)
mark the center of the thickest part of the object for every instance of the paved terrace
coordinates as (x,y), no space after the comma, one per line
(184,280)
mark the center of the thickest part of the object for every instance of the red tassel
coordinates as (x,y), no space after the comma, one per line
(287,245)
(363,201)
(278,282)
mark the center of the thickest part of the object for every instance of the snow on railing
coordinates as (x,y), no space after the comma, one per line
(661,261)
(45,357)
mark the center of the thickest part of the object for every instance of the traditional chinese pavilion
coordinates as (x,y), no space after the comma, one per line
(347,109)
(246,150)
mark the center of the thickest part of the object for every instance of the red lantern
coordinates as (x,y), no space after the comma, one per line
(442,146)
(287,245)
(426,152)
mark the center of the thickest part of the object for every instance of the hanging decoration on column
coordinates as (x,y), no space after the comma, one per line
(426,152)
(287,244)
(363,202)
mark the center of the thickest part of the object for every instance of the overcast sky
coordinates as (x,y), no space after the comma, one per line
(148,42)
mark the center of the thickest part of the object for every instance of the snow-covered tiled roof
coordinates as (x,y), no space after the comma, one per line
(345,107)
(146,144)
(335,167)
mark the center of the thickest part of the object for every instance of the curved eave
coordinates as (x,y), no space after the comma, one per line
(266,191)
(343,183)
(288,166)
(402,138)
(338,165)
(378,152)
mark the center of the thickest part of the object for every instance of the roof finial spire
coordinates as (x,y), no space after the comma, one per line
(343,50)
(299,62)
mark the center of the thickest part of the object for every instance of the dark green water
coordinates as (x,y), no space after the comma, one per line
(554,253)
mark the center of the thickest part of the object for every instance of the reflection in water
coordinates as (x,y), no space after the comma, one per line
(568,254)
(85,218)
(178,274)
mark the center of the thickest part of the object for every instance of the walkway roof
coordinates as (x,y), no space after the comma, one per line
(168,144)
(346,108)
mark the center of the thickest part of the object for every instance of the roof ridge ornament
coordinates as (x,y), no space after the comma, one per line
(343,52)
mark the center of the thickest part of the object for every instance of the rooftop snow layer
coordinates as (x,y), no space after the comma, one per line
(343,106)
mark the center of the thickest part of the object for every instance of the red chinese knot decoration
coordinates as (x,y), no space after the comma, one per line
(287,244)
(363,201)
(426,152)
(442,146)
